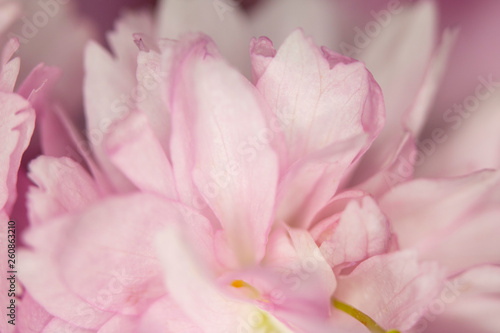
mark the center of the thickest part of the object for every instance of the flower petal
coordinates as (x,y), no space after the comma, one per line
(324,104)
(123,274)
(362,232)
(392,289)
(193,288)
(62,186)
(165,316)
(430,215)
(469,303)
(107,98)
(9,70)
(446,156)
(32,317)
(311,182)
(43,282)
(151,76)
(216,115)
(262,53)
(396,169)
(133,148)
(307,87)
(408,76)
(18,121)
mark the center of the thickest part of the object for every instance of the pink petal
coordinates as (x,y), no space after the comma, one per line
(122,272)
(108,89)
(9,70)
(32,317)
(40,276)
(192,286)
(336,205)
(362,232)
(417,115)
(397,168)
(392,289)
(469,303)
(18,120)
(57,325)
(58,128)
(215,114)
(304,85)
(151,77)
(409,79)
(262,53)
(473,240)
(38,85)
(120,323)
(133,148)
(62,186)
(443,151)
(166,316)
(122,231)
(312,181)
(314,263)
(430,215)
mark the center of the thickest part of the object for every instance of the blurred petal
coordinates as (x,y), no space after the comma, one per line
(9,69)
(399,59)
(62,186)
(105,102)
(426,214)
(397,168)
(392,289)
(40,275)
(469,303)
(18,121)
(151,75)
(465,147)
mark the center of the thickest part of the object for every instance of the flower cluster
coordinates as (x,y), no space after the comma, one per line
(208,192)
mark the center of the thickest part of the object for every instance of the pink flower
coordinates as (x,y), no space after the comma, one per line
(202,201)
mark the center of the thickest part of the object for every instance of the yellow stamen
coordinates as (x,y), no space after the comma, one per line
(250,290)
(361,317)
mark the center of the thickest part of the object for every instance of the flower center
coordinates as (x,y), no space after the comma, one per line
(360,316)
(259,321)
